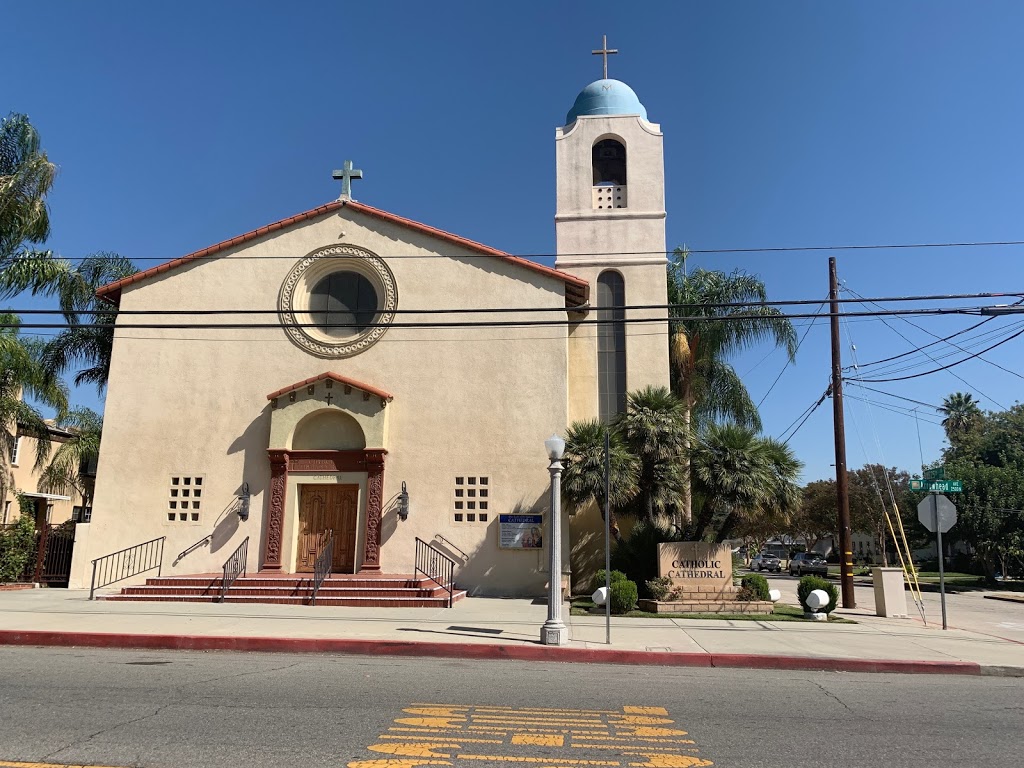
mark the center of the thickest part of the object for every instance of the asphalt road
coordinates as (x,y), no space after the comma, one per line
(154,709)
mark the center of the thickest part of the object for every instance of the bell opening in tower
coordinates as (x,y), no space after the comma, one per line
(609,163)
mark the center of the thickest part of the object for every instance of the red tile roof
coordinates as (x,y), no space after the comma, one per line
(334,377)
(577,290)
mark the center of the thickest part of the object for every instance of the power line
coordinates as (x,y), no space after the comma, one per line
(489,323)
(804,416)
(789,360)
(666,253)
(934,336)
(890,394)
(976,341)
(485,310)
(947,367)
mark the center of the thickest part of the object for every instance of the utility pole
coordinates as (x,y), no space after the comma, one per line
(842,484)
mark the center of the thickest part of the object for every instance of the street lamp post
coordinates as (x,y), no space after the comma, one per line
(554,632)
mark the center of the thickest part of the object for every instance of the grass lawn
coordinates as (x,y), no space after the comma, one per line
(585,607)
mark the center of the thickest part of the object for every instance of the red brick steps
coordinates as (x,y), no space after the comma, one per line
(290,589)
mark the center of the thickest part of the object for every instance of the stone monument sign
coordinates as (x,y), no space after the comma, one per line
(696,566)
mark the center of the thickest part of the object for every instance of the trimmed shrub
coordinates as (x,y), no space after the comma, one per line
(810,583)
(659,588)
(623,597)
(754,587)
(616,576)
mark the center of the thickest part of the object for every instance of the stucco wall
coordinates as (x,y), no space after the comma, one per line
(476,402)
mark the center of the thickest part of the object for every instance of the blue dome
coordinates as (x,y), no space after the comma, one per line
(606,97)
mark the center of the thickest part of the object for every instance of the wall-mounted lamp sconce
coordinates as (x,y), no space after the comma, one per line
(243,502)
(403,503)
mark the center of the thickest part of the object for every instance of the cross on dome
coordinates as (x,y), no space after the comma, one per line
(346,175)
(604,53)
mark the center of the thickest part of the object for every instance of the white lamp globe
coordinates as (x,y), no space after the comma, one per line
(555,446)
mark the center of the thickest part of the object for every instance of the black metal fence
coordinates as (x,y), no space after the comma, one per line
(43,556)
(322,566)
(125,563)
(436,566)
(234,567)
(53,559)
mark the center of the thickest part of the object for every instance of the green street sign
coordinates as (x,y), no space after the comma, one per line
(937,486)
(938,473)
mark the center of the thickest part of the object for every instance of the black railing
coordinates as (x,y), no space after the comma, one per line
(234,567)
(205,540)
(450,545)
(125,563)
(322,566)
(436,566)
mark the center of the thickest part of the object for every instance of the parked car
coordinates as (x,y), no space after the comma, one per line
(766,562)
(808,562)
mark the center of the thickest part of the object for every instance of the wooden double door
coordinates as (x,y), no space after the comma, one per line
(325,508)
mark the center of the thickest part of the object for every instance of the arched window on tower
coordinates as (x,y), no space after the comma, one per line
(609,161)
(611,346)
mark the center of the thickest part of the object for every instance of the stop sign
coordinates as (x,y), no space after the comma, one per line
(937,513)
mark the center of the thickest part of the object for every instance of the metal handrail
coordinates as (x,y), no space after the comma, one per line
(450,545)
(322,566)
(205,540)
(436,566)
(126,563)
(234,567)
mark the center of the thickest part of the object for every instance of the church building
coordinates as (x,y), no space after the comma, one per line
(368,399)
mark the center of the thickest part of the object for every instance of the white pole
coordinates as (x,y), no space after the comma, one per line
(607,538)
(554,632)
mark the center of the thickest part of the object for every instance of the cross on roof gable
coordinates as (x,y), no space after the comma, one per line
(577,290)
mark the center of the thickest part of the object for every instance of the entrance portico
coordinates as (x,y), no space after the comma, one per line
(322,474)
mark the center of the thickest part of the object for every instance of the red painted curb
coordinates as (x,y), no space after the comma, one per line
(478,651)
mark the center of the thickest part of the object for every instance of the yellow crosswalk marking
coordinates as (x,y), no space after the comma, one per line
(445,734)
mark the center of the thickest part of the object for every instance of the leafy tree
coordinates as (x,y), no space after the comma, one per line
(869,500)
(583,478)
(26,176)
(72,464)
(817,517)
(702,378)
(21,374)
(989,515)
(743,477)
(86,343)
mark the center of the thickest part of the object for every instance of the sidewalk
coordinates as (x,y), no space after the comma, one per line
(504,628)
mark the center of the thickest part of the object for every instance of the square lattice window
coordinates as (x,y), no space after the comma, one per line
(184,503)
(468,489)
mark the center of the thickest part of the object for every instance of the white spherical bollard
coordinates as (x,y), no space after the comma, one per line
(600,596)
(774,595)
(817,600)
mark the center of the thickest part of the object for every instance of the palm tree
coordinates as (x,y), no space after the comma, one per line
(583,477)
(72,465)
(962,412)
(742,477)
(26,176)
(21,374)
(654,429)
(707,384)
(85,342)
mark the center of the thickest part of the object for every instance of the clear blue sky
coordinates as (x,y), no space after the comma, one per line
(177,125)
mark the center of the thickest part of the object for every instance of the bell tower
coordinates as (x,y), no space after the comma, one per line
(610,230)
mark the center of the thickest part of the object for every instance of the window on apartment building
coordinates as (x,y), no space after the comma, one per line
(15,449)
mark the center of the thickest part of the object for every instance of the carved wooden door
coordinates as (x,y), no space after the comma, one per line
(325,508)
